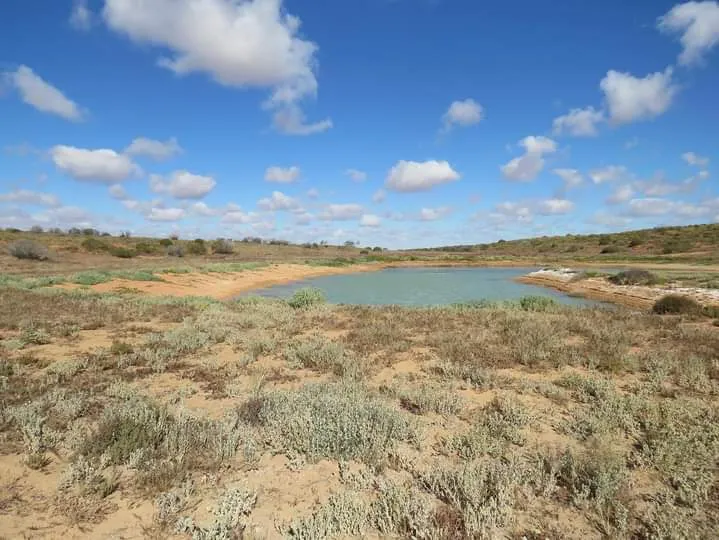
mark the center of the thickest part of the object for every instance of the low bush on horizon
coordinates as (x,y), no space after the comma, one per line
(223,246)
(635,276)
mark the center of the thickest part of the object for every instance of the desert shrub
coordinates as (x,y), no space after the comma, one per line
(537,303)
(306,297)
(222,246)
(636,241)
(146,248)
(94,245)
(426,398)
(676,304)
(324,355)
(339,421)
(610,249)
(122,252)
(634,277)
(175,251)
(165,242)
(197,247)
(28,249)
(230,517)
(676,246)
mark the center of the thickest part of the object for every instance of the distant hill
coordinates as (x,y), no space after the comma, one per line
(695,241)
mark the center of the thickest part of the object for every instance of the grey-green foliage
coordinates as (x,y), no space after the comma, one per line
(138,426)
(424,398)
(306,297)
(396,511)
(230,517)
(324,354)
(681,440)
(477,376)
(483,492)
(31,419)
(338,420)
(605,410)
(497,425)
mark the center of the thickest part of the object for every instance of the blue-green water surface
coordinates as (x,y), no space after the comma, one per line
(423,286)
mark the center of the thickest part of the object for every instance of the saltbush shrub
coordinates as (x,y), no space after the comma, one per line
(197,247)
(306,297)
(675,303)
(222,246)
(634,277)
(27,249)
(94,245)
(175,251)
(165,242)
(146,248)
(122,252)
(537,303)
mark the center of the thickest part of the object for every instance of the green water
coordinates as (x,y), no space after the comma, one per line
(423,286)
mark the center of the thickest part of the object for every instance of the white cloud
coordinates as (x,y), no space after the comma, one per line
(578,122)
(511,211)
(238,216)
(526,168)
(157,150)
(703,175)
(102,165)
(24,196)
(610,173)
(313,193)
(631,99)
(649,207)
(250,43)
(552,207)
(117,192)
(303,218)
(290,120)
(462,113)
(278,201)
(42,95)
(693,159)
(341,212)
(379,196)
(183,185)
(411,176)
(81,16)
(282,175)
(200,208)
(434,214)
(66,215)
(571,177)
(621,195)
(698,24)
(659,187)
(356,175)
(166,214)
(370,220)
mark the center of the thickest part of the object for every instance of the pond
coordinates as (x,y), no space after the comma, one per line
(422,287)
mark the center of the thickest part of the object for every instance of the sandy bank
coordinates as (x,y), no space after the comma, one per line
(228,284)
(635,296)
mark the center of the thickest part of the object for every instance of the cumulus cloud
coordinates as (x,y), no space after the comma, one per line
(578,122)
(462,113)
(65,215)
(281,175)
(356,175)
(341,212)
(658,186)
(571,177)
(80,17)
(166,214)
(525,168)
(412,176)
(697,23)
(117,192)
(278,201)
(200,208)
(552,207)
(621,195)
(631,99)
(24,196)
(313,193)
(434,214)
(102,165)
(379,196)
(370,220)
(610,173)
(42,95)
(151,148)
(253,43)
(511,211)
(693,159)
(238,216)
(182,185)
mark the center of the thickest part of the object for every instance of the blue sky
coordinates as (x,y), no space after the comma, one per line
(400,123)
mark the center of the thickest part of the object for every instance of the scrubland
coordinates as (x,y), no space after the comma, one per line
(127,416)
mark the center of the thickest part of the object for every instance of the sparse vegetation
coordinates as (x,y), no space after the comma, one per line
(306,297)
(634,277)
(28,249)
(676,304)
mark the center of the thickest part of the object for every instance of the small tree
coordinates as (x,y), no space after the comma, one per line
(223,246)
(197,247)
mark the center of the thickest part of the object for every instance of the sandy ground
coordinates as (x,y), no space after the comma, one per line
(635,296)
(228,284)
